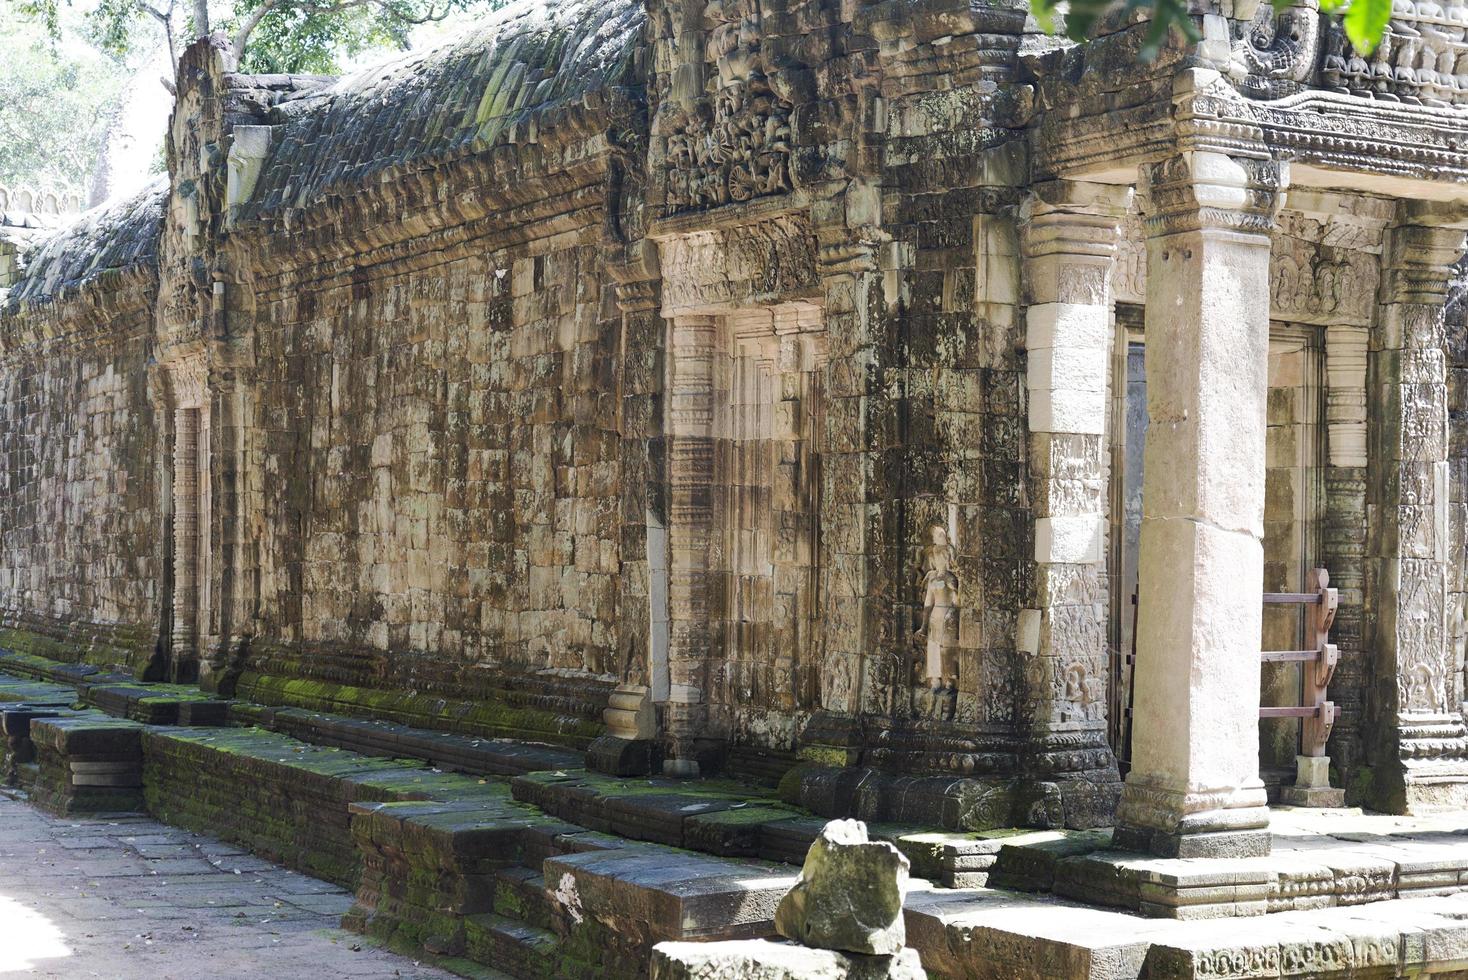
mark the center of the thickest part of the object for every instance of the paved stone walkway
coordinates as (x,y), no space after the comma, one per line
(131,899)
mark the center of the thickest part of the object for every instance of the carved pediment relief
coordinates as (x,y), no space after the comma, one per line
(731,152)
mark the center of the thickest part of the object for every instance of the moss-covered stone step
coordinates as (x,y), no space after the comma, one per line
(87,763)
(679,813)
(19,689)
(152,704)
(514,946)
(37,667)
(483,718)
(520,893)
(428,865)
(447,750)
(281,797)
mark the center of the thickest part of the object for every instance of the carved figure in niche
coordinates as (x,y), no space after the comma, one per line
(937,635)
(1084,690)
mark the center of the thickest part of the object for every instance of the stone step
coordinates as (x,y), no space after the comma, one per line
(715,817)
(87,762)
(520,893)
(281,797)
(670,895)
(40,668)
(993,934)
(18,689)
(512,946)
(446,750)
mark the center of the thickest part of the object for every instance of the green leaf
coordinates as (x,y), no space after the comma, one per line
(1365,21)
(1044,11)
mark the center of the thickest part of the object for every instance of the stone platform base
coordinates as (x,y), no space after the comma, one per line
(1321,797)
(760,959)
(1320,859)
(992,935)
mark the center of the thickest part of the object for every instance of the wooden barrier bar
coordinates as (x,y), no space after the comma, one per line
(1317,665)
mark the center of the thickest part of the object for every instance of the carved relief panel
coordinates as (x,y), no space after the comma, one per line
(725,120)
(1324,269)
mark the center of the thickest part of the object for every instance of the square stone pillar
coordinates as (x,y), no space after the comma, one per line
(1070,233)
(1194,787)
(1421,755)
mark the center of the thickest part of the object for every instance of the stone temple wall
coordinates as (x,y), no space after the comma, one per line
(725,384)
(80,559)
(440,472)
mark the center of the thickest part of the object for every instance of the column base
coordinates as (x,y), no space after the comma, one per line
(1155,818)
(617,756)
(1215,844)
(1312,785)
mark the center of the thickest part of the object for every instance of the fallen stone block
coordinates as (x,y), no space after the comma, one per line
(849,896)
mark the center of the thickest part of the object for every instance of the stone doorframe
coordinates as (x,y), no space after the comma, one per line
(747,293)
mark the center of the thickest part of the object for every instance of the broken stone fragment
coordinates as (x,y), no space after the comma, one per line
(849,896)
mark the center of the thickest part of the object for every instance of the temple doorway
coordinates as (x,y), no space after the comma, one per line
(1292,519)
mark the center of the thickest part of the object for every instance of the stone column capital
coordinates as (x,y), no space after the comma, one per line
(1064,217)
(1421,247)
(1207,190)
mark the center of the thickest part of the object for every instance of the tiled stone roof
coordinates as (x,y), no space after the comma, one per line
(117,236)
(533,67)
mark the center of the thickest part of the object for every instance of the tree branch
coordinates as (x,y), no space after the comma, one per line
(242,36)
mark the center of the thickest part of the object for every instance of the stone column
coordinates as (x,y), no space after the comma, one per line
(1070,235)
(1422,756)
(185,542)
(1194,787)
(692,346)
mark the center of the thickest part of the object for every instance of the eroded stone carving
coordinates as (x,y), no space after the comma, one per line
(1310,282)
(735,153)
(1422,58)
(1278,51)
(937,635)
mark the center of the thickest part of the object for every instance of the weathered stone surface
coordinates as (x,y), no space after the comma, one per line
(757,959)
(760,382)
(849,896)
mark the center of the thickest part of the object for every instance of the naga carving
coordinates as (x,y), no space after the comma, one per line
(736,153)
(1278,51)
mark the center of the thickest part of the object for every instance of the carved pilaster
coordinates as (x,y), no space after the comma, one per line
(1422,753)
(1194,787)
(630,745)
(692,348)
(185,539)
(1069,246)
